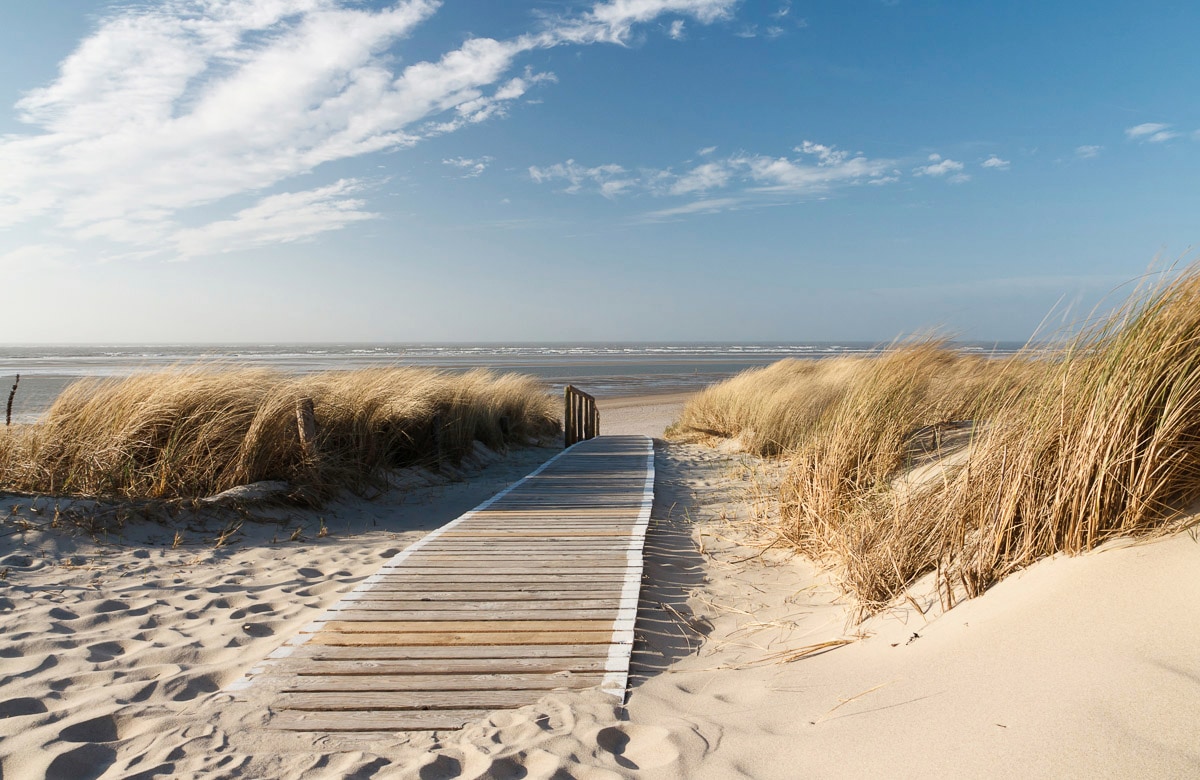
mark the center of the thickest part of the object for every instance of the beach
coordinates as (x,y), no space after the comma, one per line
(117,654)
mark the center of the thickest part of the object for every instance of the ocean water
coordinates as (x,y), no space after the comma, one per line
(604,370)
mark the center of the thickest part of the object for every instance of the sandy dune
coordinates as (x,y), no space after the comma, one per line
(113,656)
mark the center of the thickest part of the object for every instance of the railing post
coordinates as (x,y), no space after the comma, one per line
(567,416)
(581,416)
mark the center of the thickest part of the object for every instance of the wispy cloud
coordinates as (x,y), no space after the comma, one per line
(471,168)
(940,167)
(676,31)
(707,206)
(995,162)
(277,219)
(1088,152)
(1151,132)
(702,178)
(168,107)
(609,180)
(815,169)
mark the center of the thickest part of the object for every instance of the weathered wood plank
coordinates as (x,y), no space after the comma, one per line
(435,667)
(447,638)
(324,654)
(404,700)
(456,616)
(470,598)
(470,605)
(328,683)
(465,626)
(512,586)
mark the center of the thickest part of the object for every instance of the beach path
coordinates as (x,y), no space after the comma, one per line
(534,590)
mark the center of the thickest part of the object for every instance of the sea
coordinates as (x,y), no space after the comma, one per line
(606,370)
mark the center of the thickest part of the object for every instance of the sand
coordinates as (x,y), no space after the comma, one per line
(114,654)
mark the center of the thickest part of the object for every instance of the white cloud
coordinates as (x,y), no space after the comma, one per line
(706,151)
(773,32)
(784,9)
(610,180)
(1087,152)
(1152,132)
(708,206)
(168,107)
(702,178)
(939,167)
(471,168)
(675,32)
(276,219)
(834,167)
(995,162)
(752,173)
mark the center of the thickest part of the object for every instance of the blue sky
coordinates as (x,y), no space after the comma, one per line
(297,170)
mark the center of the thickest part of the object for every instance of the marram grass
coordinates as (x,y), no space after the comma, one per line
(1067,450)
(195,432)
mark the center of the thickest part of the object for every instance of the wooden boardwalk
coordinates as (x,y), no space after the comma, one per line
(534,590)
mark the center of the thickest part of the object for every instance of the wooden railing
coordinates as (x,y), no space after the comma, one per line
(582,419)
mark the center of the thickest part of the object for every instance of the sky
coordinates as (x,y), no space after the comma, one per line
(672,170)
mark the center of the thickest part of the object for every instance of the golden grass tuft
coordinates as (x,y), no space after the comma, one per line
(1109,446)
(196,432)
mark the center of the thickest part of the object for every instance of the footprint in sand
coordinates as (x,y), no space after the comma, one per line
(104,651)
(85,762)
(441,768)
(101,729)
(638,747)
(14,708)
(253,609)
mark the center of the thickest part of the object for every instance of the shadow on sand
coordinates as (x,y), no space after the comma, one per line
(666,629)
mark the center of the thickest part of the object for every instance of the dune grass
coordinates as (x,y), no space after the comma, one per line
(196,432)
(1109,447)
(1066,449)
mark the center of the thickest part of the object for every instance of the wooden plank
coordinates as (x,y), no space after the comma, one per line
(532,534)
(521,574)
(471,605)
(329,654)
(513,587)
(456,615)
(466,626)
(418,720)
(470,598)
(404,700)
(435,667)
(448,638)
(382,683)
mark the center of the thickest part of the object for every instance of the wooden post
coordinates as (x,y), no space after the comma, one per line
(567,416)
(306,424)
(12,394)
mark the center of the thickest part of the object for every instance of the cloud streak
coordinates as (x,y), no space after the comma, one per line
(1151,132)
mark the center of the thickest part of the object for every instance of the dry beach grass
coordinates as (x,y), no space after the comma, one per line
(1063,450)
(195,432)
